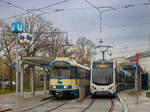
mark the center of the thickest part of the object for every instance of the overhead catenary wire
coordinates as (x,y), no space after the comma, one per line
(110,27)
(100,11)
(137,45)
(87,8)
(79,8)
(74,9)
(11,4)
(33,10)
(125,37)
(115,7)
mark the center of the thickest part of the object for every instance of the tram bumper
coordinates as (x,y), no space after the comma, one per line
(60,92)
(98,93)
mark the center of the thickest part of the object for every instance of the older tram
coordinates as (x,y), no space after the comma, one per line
(66,76)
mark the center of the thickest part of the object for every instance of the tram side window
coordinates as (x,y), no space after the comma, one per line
(73,73)
(122,78)
(118,78)
(87,74)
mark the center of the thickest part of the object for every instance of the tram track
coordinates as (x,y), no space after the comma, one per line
(116,104)
(55,108)
(38,105)
(91,103)
(49,104)
(96,104)
(88,104)
(111,105)
(125,107)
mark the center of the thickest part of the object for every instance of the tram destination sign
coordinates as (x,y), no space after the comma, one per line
(104,65)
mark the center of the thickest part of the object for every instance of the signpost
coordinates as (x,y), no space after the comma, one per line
(16,27)
(136,78)
(25,38)
(3,83)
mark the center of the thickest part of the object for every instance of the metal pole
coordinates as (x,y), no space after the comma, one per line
(17,90)
(3,76)
(44,80)
(103,54)
(21,83)
(32,75)
(136,78)
(100,22)
(136,85)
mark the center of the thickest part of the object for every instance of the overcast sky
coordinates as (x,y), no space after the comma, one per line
(126,29)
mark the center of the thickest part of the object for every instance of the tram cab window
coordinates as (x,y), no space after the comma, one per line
(61,72)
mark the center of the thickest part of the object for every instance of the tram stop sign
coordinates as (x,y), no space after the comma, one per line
(16,27)
(25,38)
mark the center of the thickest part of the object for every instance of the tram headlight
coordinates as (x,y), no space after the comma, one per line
(65,87)
(54,87)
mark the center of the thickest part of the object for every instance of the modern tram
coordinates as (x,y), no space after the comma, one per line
(107,79)
(65,77)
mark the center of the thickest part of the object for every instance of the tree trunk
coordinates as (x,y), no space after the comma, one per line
(27,77)
(10,78)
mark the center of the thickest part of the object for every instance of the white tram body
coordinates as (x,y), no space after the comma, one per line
(103,73)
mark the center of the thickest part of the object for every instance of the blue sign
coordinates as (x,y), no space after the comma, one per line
(29,38)
(21,38)
(25,38)
(14,65)
(16,27)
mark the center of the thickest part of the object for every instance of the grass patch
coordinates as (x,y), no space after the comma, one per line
(7,91)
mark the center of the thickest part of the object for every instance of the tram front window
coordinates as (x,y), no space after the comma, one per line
(61,72)
(102,76)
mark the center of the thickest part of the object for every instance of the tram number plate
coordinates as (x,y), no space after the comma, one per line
(102,88)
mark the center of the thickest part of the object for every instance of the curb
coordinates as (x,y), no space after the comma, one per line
(5,110)
(124,105)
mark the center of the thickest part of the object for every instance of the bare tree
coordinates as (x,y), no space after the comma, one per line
(84,50)
(38,28)
(7,46)
(55,45)
(47,39)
